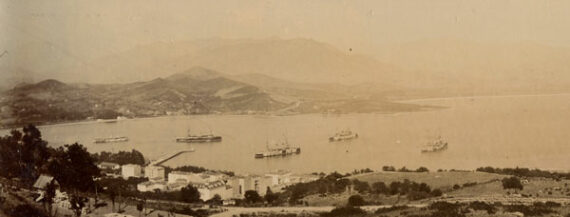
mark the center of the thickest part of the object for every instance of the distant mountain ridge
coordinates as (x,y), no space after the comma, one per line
(298,60)
(197,90)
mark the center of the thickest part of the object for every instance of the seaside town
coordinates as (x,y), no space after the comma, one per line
(284,108)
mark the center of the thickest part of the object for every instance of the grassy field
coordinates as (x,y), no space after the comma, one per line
(540,187)
(440,180)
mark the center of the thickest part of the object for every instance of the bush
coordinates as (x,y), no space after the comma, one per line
(422,169)
(477,205)
(436,193)
(356,200)
(390,209)
(345,211)
(512,183)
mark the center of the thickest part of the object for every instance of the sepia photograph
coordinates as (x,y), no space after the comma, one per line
(284,108)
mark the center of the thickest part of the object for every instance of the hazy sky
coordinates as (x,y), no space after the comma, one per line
(43,36)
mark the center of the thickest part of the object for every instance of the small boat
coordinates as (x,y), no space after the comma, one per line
(279,149)
(437,145)
(112,139)
(107,120)
(343,135)
(205,138)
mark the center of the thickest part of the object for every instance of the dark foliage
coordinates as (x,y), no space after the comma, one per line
(390,209)
(74,168)
(361,187)
(478,205)
(25,210)
(537,209)
(189,194)
(332,183)
(356,200)
(252,196)
(23,154)
(122,157)
(388,168)
(195,169)
(512,183)
(345,211)
(525,172)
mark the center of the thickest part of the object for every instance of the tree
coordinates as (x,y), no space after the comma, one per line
(360,186)
(356,200)
(436,193)
(10,155)
(33,153)
(49,195)
(380,188)
(422,169)
(252,196)
(270,197)
(74,168)
(189,194)
(216,200)
(512,183)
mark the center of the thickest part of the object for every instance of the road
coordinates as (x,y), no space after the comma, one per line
(231,211)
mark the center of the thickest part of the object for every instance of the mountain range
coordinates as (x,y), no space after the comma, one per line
(197,90)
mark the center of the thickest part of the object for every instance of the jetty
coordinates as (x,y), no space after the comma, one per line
(169,156)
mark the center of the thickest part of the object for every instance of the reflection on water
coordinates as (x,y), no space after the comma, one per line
(530,131)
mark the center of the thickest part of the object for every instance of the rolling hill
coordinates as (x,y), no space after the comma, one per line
(197,90)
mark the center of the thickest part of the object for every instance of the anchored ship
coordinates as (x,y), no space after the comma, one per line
(435,146)
(343,135)
(199,138)
(112,139)
(278,149)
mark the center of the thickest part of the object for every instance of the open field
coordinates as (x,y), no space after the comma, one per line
(435,180)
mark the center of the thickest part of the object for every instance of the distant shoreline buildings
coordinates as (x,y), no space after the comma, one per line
(208,183)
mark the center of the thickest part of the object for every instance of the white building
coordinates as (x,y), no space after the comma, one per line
(210,189)
(241,184)
(154,172)
(188,177)
(131,170)
(280,177)
(152,186)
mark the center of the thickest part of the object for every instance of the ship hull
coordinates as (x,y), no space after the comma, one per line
(199,140)
(278,153)
(112,140)
(342,138)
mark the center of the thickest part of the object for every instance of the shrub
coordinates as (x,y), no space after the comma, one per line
(345,211)
(356,200)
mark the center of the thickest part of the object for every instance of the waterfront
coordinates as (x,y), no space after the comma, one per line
(513,131)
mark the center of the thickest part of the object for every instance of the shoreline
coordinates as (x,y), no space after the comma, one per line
(428,99)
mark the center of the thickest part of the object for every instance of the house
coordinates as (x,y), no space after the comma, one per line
(257,183)
(210,189)
(241,184)
(154,172)
(188,177)
(177,186)
(180,176)
(152,186)
(43,181)
(109,166)
(131,170)
(280,177)
(238,186)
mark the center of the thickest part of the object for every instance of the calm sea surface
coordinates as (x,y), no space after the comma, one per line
(529,131)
